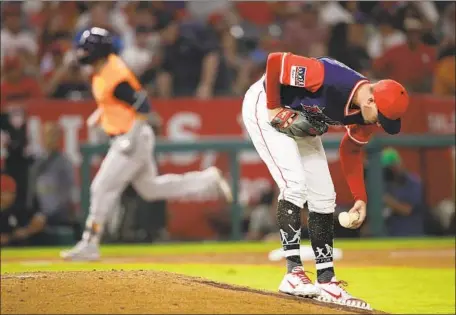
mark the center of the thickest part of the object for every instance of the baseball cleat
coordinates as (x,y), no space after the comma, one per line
(223,186)
(82,251)
(298,283)
(333,292)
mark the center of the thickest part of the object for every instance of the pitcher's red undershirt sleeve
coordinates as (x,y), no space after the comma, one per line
(352,158)
(289,69)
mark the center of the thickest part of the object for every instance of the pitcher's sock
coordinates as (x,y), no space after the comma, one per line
(289,221)
(92,232)
(321,232)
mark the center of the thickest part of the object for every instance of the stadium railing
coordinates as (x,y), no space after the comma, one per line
(233,146)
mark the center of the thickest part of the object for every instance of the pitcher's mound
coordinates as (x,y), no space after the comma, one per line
(146,292)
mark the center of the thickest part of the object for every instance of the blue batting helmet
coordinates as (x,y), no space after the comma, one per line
(94,43)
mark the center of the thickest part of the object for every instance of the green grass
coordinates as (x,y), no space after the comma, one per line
(394,290)
(228,247)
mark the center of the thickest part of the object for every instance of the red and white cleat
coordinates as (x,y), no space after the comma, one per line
(333,292)
(298,283)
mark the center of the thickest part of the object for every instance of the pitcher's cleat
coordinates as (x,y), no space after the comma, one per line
(333,292)
(223,186)
(298,283)
(82,251)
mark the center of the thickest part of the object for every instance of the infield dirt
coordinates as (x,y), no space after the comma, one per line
(147,292)
(143,292)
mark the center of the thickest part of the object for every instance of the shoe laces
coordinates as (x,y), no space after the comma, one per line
(302,275)
(341,284)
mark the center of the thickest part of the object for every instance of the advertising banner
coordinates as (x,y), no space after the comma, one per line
(190,119)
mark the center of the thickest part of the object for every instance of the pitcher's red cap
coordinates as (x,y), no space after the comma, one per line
(392,101)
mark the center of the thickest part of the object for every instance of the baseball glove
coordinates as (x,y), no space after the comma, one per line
(298,124)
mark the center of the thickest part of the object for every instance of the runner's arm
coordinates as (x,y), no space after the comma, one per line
(138,100)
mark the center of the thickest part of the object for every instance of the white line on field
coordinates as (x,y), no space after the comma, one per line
(36,263)
(423,253)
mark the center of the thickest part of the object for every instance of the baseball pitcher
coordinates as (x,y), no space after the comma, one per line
(285,113)
(122,104)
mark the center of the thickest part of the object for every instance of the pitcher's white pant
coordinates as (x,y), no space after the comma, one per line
(298,165)
(118,170)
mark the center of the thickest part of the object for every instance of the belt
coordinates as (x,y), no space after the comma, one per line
(112,137)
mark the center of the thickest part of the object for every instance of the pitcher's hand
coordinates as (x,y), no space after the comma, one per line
(360,208)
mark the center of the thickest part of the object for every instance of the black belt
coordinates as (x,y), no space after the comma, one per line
(112,137)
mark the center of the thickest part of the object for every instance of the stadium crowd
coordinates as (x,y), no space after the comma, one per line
(217,48)
(201,49)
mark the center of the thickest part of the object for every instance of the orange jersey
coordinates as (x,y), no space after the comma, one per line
(117,117)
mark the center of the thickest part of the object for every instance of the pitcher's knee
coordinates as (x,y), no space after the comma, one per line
(296,193)
(323,205)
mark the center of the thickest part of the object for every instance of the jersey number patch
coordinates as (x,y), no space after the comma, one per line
(298,76)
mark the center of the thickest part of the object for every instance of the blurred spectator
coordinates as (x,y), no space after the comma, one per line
(303,33)
(254,65)
(444,76)
(17,223)
(354,8)
(260,13)
(16,85)
(56,30)
(191,61)
(103,14)
(444,213)
(404,205)
(428,11)
(19,226)
(395,9)
(66,81)
(139,14)
(202,10)
(229,45)
(143,56)
(8,191)
(448,26)
(347,44)
(385,36)
(41,14)
(332,13)
(53,56)
(411,63)
(14,38)
(7,198)
(425,11)
(262,219)
(17,160)
(51,180)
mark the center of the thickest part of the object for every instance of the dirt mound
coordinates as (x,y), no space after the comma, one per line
(143,292)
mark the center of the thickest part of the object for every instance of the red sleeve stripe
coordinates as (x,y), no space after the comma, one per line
(353,138)
(350,98)
(273,77)
(282,68)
